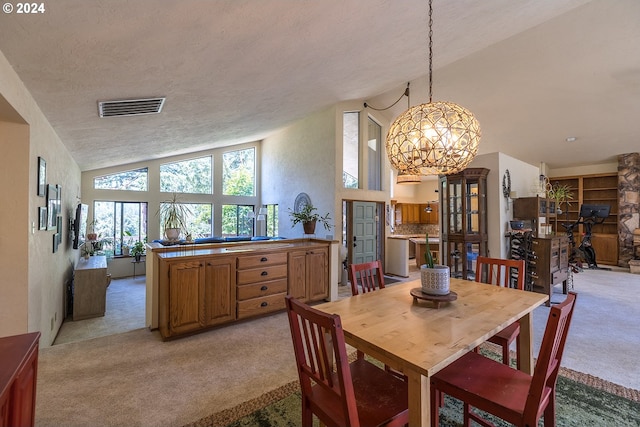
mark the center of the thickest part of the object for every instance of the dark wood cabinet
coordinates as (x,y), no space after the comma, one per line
(18,375)
(597,189)
(463,228)
(546,260)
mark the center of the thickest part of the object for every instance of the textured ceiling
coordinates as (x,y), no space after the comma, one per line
(533,71)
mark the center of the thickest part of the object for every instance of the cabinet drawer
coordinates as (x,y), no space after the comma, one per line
(262,289)
(262,305)
(257,261)
(559,276)
(261,274)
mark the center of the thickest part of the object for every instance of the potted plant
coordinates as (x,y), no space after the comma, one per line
(173,215)
(309,218)
(434,277)
(561,194)
(92,236)
(137,250)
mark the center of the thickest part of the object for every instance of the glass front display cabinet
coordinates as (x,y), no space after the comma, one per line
(463,198)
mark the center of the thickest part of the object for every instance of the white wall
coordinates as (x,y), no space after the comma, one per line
(301,158)
(499,209)
(33,283)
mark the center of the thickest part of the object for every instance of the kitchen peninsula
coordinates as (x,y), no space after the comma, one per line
(194,287)
(421,247)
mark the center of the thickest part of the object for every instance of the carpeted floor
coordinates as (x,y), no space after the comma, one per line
(578,404)
(135,379)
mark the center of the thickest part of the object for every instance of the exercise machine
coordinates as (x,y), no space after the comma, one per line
(590,215)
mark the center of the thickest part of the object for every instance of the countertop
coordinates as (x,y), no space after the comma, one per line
(422,241)
(410,236)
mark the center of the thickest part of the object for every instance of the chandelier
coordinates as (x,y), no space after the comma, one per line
(433,138)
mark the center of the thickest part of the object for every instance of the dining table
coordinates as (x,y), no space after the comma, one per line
(414,337)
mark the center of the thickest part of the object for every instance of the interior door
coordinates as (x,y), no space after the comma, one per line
(365,232)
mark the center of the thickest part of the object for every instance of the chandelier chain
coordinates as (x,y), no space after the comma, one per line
(405,93)
(430,49)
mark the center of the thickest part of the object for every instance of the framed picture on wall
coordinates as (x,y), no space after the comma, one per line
(53,206)
(42,215)
(42,177)
(56,242)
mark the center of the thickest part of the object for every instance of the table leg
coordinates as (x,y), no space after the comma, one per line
(419,404)
(526,344)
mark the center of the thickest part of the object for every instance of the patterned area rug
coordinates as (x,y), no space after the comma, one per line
(581,400)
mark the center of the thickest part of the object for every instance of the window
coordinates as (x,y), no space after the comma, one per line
(350,146)
(374,153)
(134,180)
(236,220)
(118,224)
(272,220)
(238,172)
(192,176)
(198,220)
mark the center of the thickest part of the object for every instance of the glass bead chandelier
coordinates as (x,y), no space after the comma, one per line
(433,138)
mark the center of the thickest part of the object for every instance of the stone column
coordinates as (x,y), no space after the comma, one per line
(628,204)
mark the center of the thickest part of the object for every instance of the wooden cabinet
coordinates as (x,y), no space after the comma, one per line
(415,213)
(429,217)
(18,375)
(201,289)
(262,283)
(308,273)
(538,210)
(598,189)
(197,293)
(90,281)
(551,265)
(463,228)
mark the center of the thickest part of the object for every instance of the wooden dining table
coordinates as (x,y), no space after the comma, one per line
(414,337)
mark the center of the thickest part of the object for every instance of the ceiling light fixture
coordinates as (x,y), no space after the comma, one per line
(433,138)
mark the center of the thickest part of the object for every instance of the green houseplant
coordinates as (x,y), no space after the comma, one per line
(137,250)
(173,216)
(309,218)
(434,277)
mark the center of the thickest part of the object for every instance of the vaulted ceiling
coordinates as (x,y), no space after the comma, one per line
(534,72)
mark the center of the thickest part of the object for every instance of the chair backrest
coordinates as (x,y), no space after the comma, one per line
(549,357)
(366,277)
(508,273)
(318,340)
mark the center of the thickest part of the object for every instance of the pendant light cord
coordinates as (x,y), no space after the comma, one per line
(405,93)
(430,50)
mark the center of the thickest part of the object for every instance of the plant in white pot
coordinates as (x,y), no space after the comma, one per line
(173,216)
(434,277)
(309,218)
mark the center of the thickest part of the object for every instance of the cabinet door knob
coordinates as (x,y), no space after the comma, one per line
(263,259)
(264,273)
(264,304)
(264,288)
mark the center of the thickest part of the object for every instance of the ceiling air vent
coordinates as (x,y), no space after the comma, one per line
(130,107)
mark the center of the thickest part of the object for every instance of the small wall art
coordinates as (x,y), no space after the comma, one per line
(42,177)
(53,207)
(42,216)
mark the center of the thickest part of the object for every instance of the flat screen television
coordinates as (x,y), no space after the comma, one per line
(80,225)
(594,211)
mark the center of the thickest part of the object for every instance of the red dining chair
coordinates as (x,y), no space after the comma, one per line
(507,393)
(366,277)
(369,277)
(508,273)
(349,394)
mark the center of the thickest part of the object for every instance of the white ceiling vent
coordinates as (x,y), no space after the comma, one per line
(130,107)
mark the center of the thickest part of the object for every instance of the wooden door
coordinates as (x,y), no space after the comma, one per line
(219,291)
(297,274)
(316,274)
(186,296)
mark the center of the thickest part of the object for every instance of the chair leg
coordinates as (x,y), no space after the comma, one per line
(467,415)
(359,355)
(307,415)
(436,398)
(550,411)
(505,354)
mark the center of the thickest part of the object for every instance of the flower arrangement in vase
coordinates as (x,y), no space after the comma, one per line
(434,277)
